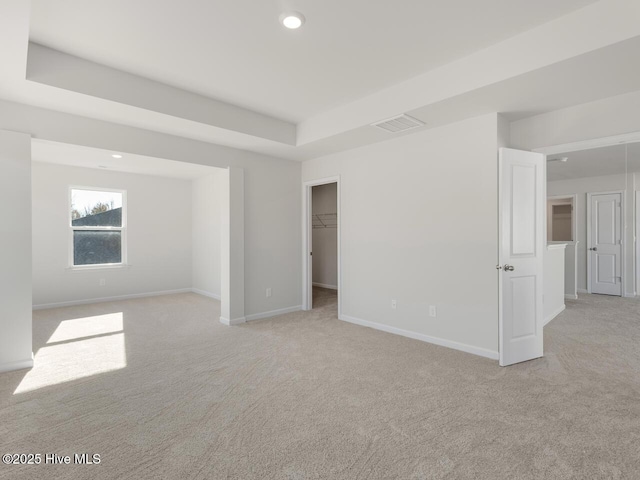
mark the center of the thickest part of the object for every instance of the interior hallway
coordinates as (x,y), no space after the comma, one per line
(305,395)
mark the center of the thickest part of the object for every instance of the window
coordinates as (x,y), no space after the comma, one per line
(97,227)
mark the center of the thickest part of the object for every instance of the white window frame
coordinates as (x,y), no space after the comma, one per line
(122,229)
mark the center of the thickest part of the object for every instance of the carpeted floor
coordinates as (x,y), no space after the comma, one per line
(160,389)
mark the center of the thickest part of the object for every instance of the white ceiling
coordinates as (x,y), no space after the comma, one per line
(79,156)
(596,162)
(236,51)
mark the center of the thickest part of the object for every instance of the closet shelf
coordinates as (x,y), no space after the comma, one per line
(325,220)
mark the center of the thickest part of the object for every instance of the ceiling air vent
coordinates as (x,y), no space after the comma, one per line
(398,124)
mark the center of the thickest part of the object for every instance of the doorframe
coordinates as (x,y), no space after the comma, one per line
(307,237)
(623,269)
(636,239)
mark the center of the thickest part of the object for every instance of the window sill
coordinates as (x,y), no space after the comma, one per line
(90,268)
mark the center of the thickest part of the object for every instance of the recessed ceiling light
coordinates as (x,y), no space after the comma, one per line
(116,155)
(292,20)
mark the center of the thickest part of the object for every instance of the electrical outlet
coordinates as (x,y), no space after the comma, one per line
(102,282)
(393,304)
(268,292)
(432,310)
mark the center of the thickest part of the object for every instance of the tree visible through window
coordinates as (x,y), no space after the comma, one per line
(97,226)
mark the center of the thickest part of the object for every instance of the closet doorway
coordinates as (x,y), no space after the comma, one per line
(321,282)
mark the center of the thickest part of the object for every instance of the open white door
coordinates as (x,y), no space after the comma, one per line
(605,243)
(521,249)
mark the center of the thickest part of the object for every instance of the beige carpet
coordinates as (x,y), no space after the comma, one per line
(160,389)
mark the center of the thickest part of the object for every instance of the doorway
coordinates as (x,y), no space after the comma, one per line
(321,243)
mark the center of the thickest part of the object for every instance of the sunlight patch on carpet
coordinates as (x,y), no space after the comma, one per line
(79,348)
(87,327)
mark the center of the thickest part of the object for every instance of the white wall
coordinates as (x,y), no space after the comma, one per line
(554,266)
(206,220)
(582,186)
(420,225)
(325,240)
(158,235)
(15,254)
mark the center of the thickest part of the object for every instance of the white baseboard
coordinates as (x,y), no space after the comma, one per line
(493,355)
(235,321)
(554,315)
(570,297)
(204,293)
(627,295)
(324,285)
(273,313)
(19,365)
(110,299)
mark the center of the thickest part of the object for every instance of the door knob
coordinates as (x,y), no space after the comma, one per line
(595,249)
(509,268)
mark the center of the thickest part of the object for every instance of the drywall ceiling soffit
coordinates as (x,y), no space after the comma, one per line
(598,74)
(597,26)
(595,162)
(51,67)
(512,77)
(603,73)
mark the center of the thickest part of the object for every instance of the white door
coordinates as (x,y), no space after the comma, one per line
(521,248)
(605,244)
